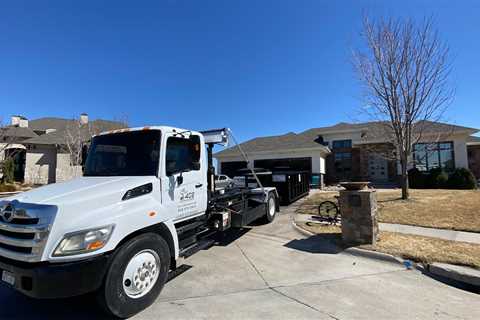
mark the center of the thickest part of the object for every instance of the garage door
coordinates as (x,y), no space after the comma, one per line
(297,164)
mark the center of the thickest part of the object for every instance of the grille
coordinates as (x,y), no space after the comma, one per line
(24,236)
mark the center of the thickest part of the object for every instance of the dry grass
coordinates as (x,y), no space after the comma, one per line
(7,188)
(425,249)
(444,209)
(416,248)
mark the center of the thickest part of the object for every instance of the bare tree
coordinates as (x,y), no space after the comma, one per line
(404,70)
(76,136)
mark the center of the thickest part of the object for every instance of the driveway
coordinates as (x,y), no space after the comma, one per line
(273,272)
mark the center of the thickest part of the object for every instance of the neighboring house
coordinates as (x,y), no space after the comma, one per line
(473,148)
(349,151)
(39,150)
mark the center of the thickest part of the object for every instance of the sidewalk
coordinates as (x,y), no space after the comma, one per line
(445,234)
(452,235)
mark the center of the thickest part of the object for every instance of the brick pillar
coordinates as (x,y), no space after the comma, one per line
(359,216)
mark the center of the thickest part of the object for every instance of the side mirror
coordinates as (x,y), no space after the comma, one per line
(196,165)
(180,179)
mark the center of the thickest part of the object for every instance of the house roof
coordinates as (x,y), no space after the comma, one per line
(289,141)
(85,131)
(17,132)
(42,124)
(374,131)
(473,140)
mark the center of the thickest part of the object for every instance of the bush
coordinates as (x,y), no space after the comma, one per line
(416,179)
(462,178)
(8,168)
(437,179)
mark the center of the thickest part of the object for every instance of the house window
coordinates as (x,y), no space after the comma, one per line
(343,165)
(338,144)
(434,155)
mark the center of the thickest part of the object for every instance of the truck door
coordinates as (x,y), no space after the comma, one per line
(186,175)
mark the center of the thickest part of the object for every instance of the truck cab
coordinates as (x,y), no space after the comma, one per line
(146,198)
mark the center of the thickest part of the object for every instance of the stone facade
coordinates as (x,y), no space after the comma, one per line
(358,210)
(40,164)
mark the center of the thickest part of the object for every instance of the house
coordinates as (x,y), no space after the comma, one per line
(473,149)
(361,151)
(39,147)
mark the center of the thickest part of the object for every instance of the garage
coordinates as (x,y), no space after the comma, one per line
(231,168)
(293,164)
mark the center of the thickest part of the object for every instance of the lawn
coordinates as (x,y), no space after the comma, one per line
(445,209)
(415,248)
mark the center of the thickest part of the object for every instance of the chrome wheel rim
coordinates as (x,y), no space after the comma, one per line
(141,273)
(271,206)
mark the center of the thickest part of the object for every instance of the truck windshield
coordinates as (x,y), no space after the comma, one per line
(134,153)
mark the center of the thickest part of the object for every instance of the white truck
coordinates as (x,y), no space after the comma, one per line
(146,199)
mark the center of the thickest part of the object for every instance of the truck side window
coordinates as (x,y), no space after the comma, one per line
(182,154)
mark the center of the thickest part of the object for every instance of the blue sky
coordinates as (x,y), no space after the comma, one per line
(258,67)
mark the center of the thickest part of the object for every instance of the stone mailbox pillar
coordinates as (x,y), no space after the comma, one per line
(358,209)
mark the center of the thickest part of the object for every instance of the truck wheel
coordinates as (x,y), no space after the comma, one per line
(136,275)
(271,208)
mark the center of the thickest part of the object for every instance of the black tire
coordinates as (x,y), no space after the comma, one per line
(112,296)
(269,213)
(328,211)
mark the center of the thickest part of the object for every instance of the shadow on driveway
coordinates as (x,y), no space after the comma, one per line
(321,243)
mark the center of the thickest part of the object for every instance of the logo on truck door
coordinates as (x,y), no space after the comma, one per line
(186,195)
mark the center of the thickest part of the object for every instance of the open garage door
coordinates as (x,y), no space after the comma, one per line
(294,164)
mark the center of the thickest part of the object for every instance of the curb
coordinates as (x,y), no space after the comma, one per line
(375,255)
(301,230)
(11,193)
(458,274)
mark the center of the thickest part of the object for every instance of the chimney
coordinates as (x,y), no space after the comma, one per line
(19,121)
(83,118)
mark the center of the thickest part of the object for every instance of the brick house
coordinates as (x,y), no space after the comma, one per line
(362,151)
(38,146)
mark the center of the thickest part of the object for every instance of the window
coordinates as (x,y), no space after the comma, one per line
(434,155)
(134,153)
(182,154)
(337,144)
(343,165)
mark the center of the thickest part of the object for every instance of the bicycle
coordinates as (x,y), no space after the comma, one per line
(329,212)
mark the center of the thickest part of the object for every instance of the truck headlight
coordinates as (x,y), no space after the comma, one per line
(83,241)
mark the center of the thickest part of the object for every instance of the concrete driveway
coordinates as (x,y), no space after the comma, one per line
(273,272)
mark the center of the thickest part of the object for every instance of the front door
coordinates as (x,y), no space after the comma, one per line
(377,167)
(186,176)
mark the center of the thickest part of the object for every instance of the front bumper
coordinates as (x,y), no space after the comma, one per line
(56,280)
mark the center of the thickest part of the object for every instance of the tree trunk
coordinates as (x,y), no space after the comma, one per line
(404,182)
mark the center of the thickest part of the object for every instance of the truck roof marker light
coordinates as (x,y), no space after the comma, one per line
(146,128)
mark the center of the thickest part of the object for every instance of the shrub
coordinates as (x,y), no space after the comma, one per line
(8,170)
(416,179)
(437,178)
(462,178)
